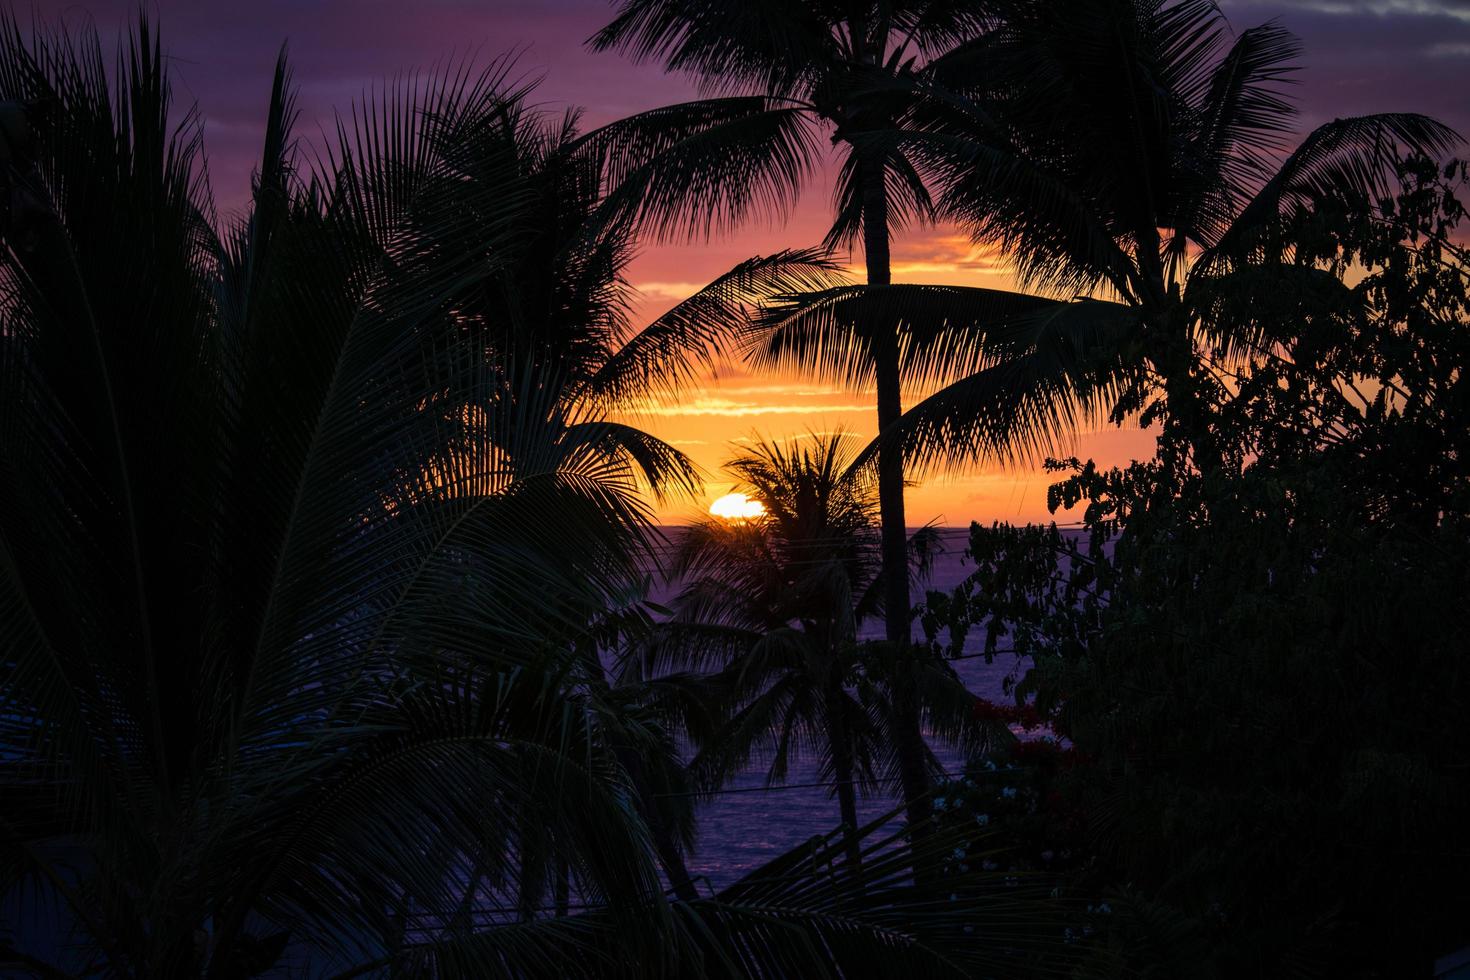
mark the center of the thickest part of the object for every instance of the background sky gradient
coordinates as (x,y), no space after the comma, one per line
(1361,56)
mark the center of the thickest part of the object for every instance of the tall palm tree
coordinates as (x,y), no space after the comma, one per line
(1132,152)
(774,606)
(782,73)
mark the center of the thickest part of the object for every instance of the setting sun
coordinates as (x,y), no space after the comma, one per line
(737,507)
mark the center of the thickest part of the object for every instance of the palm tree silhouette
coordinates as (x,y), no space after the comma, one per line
(557,307)
(774,606)
(783,72)
(1132,152)
(234,555)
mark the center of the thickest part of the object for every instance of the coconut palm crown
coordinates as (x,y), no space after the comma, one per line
(1136,160)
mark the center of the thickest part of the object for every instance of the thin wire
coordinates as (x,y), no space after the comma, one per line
(663,539)
(952,529)
(832,783)
(982,653)
(668,545)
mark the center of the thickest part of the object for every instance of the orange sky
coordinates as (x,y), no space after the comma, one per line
(710,424)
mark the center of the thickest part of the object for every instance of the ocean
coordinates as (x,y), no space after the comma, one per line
(749,824)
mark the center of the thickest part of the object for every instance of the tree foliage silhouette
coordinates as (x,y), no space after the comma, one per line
(780,74)
(304,514)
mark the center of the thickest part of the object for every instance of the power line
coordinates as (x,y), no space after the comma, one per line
(832,783)
(666,544)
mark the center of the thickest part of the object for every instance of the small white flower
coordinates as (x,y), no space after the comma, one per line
(1009,792)
(983,819)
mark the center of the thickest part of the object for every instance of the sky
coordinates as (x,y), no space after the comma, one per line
(1360,56)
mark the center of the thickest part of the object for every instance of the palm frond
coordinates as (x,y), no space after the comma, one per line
(1244,120)
(1055,371)
(659,466)
(688,171)
(1249,308)
(1346,159)
(689,340)
(764,44)
(1053,232)
(279,533)
(806,913)
(944,332)
(875,916)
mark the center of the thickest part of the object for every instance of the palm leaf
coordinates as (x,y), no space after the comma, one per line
(1055,371)
(944,331)
(807,913)
(687,171)
(1344,159)
(763,44)
(690,339)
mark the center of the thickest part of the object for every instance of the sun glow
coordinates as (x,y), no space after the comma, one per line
(737,507)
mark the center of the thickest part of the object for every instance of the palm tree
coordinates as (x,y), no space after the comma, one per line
(293,545)
(774,607)
(784,72)
(558,300)
(1132,152)
(245,602)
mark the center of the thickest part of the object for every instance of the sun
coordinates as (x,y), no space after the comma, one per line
(737,507)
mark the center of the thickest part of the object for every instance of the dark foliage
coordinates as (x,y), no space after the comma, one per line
(1261,664)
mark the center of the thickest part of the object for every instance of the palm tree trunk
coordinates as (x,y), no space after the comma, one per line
(839,742)
(531,869)
(913,772)
(563,885)
(669,854)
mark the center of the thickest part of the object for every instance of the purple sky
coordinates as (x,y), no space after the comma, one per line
(1361,56)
